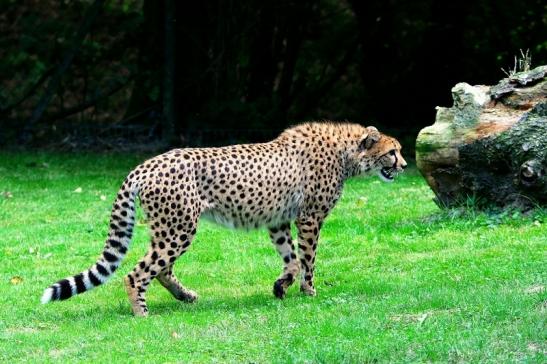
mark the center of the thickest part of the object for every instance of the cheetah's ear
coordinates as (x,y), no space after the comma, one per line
(368,140)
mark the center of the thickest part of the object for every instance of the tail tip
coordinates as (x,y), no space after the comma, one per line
(47,296)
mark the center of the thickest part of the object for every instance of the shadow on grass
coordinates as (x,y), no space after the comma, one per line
(164,305)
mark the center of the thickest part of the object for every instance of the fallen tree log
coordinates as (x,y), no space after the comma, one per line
(490,147)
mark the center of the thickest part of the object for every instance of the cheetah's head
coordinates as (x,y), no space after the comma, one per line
(381,154)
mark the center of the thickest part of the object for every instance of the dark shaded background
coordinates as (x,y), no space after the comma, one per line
(108,74)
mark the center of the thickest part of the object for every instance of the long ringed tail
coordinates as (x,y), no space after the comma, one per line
(122,222)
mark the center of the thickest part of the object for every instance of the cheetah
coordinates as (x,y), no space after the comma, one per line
(296,177)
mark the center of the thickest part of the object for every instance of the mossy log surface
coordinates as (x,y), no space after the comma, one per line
(491,145)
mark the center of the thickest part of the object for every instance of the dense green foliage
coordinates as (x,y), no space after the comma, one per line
(397,280)
(254,64)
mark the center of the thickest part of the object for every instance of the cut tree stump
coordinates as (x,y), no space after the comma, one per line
(490,147)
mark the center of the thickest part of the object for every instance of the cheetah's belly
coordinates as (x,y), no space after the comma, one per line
(256,214)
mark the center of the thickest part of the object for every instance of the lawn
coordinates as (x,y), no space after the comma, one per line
(397,279)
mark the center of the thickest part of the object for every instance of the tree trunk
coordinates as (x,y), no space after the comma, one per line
(299,16)
(490,147)
(168,121)
(145,93)
(262,59)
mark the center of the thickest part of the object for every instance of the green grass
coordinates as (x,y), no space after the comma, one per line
(397,279)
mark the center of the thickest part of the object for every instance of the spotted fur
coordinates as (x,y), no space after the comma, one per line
(296,177)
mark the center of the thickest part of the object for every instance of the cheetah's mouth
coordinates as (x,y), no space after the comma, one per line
(387,174)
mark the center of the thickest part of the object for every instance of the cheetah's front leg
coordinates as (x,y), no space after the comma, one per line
(281,238)
(308,236)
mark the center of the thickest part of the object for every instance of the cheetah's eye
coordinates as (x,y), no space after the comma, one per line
(392,152)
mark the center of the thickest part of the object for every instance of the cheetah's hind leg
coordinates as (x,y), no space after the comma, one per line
(170,282)
(167,245)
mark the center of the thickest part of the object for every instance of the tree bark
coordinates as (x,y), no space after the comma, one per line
(490,147)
